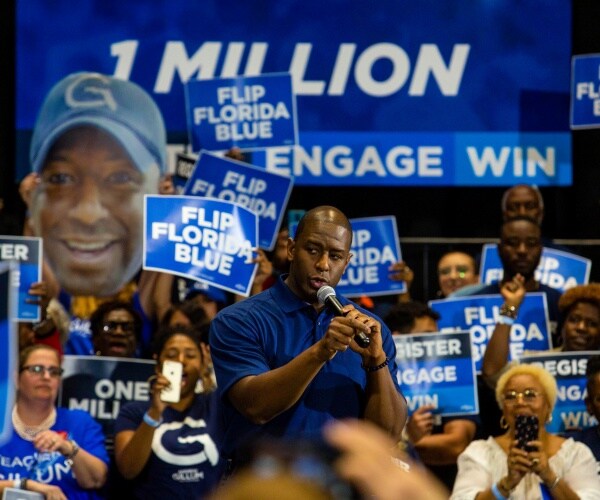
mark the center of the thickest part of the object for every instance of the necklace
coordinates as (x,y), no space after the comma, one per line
(28,432)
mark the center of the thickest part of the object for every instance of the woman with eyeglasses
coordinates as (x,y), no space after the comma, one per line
(116,330)
(543,465)
(456,270)
(56,452)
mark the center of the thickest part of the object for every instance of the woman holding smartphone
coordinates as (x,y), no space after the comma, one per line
(169,446)
(520,464)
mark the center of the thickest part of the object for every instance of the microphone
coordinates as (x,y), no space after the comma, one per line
(326,296)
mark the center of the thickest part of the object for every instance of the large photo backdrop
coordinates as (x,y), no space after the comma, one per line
(427,93)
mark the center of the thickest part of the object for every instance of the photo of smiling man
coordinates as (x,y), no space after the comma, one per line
(98,146)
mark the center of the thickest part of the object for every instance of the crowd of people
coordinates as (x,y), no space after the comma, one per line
(277,396)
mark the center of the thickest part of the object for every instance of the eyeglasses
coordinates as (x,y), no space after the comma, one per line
(39,370)
(528,396)
(111,326)
(460,270)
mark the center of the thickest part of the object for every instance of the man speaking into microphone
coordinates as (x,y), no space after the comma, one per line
(287,364)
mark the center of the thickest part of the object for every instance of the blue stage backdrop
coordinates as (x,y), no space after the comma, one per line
(454,93)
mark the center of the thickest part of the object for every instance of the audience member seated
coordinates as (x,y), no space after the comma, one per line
(579,307)
(548,466)
(172,450)
(523,200)
(438,441)
(116,330)
(53,451)
(191,314)
(456,270)
(591,436)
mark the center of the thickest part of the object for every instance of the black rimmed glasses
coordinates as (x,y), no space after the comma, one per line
(39,370)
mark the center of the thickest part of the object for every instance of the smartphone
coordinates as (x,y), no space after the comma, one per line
(172,370)
(527,429)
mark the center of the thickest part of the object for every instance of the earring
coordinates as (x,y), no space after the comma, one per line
(549,419)
(503,422)
(199,387)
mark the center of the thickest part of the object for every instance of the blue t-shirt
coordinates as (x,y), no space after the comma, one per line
(20,459)
(267,331)
(185,461)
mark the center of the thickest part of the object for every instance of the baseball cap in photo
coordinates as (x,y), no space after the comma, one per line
(120,107)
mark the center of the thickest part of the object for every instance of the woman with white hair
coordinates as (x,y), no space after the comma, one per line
(545,466)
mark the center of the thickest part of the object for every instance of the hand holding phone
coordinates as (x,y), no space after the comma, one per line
(173,371)
(527,429)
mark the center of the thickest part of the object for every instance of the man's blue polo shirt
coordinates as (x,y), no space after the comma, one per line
(267,331)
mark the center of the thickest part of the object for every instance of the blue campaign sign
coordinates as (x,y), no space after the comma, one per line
(252,112)
(375,247)
(424,102)
(101,385)
(437,369)
(423,159)
(200,238)
(8,351)
(568,368)
(27,253)
(585,91)
(478,314)
(262,192)
(557,269)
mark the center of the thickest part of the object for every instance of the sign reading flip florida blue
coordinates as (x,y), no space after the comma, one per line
(27,253)
(557,269)
(375,248)
(585,91)
(478,314)
(568,369)
(246,112)
(262,192)
(437,369)
(100,385)
(201,238)
(8,351)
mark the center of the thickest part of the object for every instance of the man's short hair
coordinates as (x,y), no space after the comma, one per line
(518,218)
(533,187)
(120,107)
(338,217)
